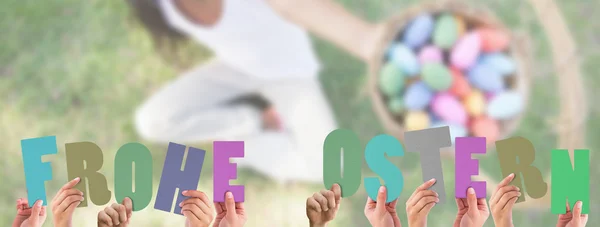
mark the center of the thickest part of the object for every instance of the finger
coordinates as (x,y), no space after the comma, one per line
(230,204)
(337,192)
(322,201)
(66,203)
(189,215)
(511,203)
(69,185)
(428,208)
(121,211)
(35,212)
(64,194)
(472,200)
(197,202)
(501,191)
(412,201)
(577,210)
(507,197)
(330,197)
(568,207)
(113,214)
(313,204)
(128,206)
(424,186)
(104,218)
(505,181)
(198,194)
(459,203)
(381,198)
(200,215)
(425,201)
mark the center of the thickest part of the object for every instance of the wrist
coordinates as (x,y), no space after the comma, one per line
(61,224)
(311,224)
(417,223)
(502,223)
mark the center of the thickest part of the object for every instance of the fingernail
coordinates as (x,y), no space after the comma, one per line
(511,175)
(77,178)
(471,191)
(185,192)
(519,194)
(432,180)
(382,189)
(38,203)
(579,204)
(229,195)
(436,194)
(180,204)
(518,189)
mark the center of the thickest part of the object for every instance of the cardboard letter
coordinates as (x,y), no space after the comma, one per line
(224,171)
(467,167)
(138,156)
(375,153)
(337,142)
(516,156)
(36,171)
(570,182)
(84,160)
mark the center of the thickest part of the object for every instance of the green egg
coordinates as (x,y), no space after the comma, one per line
(446,31)
(436,76)
(391,79)
(396,105)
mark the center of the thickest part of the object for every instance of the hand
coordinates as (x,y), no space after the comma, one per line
(472,212)
(198,209)
(420,203)
(29,217)
(230,213)
(572,219)
(381,214)
(117,215)
(322,207)
(65,202)
(271,119)
(503,200)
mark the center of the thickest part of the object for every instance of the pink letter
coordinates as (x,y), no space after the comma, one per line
(467,167)
(224,171)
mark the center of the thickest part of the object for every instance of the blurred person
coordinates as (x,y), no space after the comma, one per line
(420,203)
(65,202)
(118,215)
(29,216)
(230,213)
(472,212)
(573,218)
(322,206)
(262,86)
(382,214)
(503,200)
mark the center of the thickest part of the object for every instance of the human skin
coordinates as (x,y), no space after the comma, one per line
(503,200)
(29,216)
(420,203)
(472,212)
(118,215)
(322,206)
(198,209)
(230,213)
(64,203)
(381,214)
(572,218)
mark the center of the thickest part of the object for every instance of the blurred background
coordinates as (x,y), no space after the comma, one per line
(78,70)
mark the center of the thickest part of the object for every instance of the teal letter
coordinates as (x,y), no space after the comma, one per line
(36,171)
(130,156)
(375,153)
(338,141)
(570,183)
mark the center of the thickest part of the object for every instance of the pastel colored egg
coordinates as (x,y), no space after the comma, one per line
(485,127)
(455,129)
(396,105)
(465,52)
(417,96)
(391,79)
(419,31)
(416,120)
(406,59)
(446,32)
(486,78)
(449,109)
(460,85)
(489,96)
(430,54)
(493,40)
(436,76)
(500,62)
(475,103)
(461,26)
(505,105)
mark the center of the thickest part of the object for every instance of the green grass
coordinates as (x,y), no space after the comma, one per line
(78,69)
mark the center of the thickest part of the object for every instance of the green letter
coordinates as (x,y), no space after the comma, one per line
(338,141)
(141,158)
(571,183)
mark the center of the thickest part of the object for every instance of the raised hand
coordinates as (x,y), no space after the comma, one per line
(29,216)
(230,213)
(381,214)
(198,209)
(503,200)
(420,203)
(64,203)
(472,212)
(572,219)
(117,215)
(322,207)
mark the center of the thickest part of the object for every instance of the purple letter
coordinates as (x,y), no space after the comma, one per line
(174,177)
(467,167)
(224,171)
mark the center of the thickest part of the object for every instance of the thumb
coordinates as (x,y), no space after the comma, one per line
(128,206)
(381,197)
(577,211)
(472,200)
(35,212)
(230,204)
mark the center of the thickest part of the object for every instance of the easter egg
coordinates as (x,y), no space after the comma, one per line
(500,62)
(436,76)
(475,103)
(417,96)
(446,32)
(430,54)
(486,78)
(460,85)
(391,79)
(449,109)
(416,120)
(485,127)
(419,31)
(406,59)
(461,26)
(493,40)
(465,52)
(505,105)
(455,129)
(396,105)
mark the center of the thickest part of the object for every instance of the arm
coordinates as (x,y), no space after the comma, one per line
(329,20)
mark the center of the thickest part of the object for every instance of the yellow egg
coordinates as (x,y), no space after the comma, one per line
(460,25)
(475,103)
(416,120)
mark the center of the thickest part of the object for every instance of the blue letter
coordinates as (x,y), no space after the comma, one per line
(36,171)
(375,157)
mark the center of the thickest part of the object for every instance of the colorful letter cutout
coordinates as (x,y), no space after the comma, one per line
(467,167)
(375,153)
(224,171)
(84,160)
(138,156)
(337,142)
(516,156)
(36,171)
(570,183)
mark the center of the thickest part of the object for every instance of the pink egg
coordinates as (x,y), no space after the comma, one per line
(465,52)
(449,109)
(460,85)
(489,96)
(493,40)
(430,54)
(485,127)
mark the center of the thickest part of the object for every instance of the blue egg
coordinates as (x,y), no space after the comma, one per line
(486,78)
(505,105)
(455,130)
(419,31)
(500,62)
(417,96)
(406,59)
